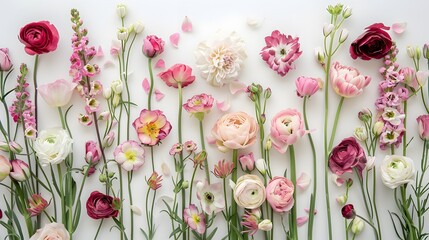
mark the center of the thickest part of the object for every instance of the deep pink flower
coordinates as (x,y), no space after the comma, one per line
(178,73)
(154,181)
(280,52)
(198,105)
(346,156)
(375,43)
(307,86)
(247,162)
(5,63)
(100,205)
(39,37)
(36,205)
(223,168)
(347,81)
(152,127)
(348,211)
(195,220)
(280,194)
(153,46)
(20,170)
(251,221)
(423,121)
(287,127)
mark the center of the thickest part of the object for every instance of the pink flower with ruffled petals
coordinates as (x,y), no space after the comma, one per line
(247,162)
(251,221)
(152,127)
(178,73)
(307,86)
(223,168)
(201,103)
(287,127)
(153,46)
(92,152)
(195,220)
(281,51)
(36,205)
(280,194)
(347,81)
(348,154)
(130,155)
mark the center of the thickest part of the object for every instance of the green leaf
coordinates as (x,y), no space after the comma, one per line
(77,213)
(209,237)
(145,234)
(177,230)
(237,232)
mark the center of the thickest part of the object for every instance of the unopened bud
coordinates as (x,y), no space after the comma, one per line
(418,53)
(102,178)
(360,133)
(347,12)
(265,225)
(268,144)
(121,10)
(426,51)
(260,165)
(320,56)
(411,52)
(378,128)
(267,93)
(342,199)
(4,146)
(343,35)
(185,184)
(357,226)
(327,29)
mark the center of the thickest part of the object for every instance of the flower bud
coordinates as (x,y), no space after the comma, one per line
(116,99)
(360,133)
(342,199)
(378,128)
(265,225)
(122,34)
(185,184)
(107,93)
(260,165)
(418,53)
(348,211)
(136,210)
(347,12)
(200,157)
(370,162)
(102,178)
(320,56)
(268,144)
(111,174)
(4,146)
(5,63)
(365,115)
(20,170)
(426,51)
(267,93)
(85,120)
(116,204)
(108,140)
(247,162)
(357,226)
(117,86)
(257,212)
(121,10)
(5,167)
(327,29)
(343,35)
(411,52)
(138,27)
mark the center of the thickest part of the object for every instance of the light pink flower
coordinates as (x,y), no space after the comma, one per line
(153,46)
(423,121)
(223,168)
(251,221)
(195,220)
(176,149)
(5,167)
(247,162)
(57,93)
(186,25)
(92,105)
(178,73)
(51,231)
(211,197)
(307,86)
(152,127)
(235,131)
(20,170)
(249,191)
(5,63)
(287,127)
(190,146)
(85,119)
(92,152)
(37,204)
(280,52)
(280,194)
(154,181)
(347,81)
(130,155)
(198,105)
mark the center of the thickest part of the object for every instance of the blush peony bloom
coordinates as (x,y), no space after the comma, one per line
(58,93)
(346,156)
(235,131)
(20,170)
(287,127)
(307,86)
(211,197)
(375,43)
(178,73)
(39,37)
(195,220)
(100,206)
(152,127)
(5,167)
(221,60)
(37,204)
(423,121)
(249,192)
(397,170)
(51,231)
(280,52)
(130,155)
(153,46)
(280,194)
(52,146)
(5,63)
(198,105)
(347,81)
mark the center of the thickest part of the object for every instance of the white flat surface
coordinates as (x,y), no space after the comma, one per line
(298,18)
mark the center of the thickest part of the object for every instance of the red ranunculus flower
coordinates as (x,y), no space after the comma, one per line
(346,156)
(348,211)
(374,43)
(39,37)
(100,205)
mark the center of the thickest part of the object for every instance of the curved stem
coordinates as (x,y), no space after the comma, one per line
(192,180)
(374,179)
(369,223)
(203,146)
(149,223)
(98,229)
(149,96)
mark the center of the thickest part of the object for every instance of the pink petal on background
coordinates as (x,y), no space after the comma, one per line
(160,64)
(211,139)
(108,64)
(399,27)
(338,180)
(100,52)
(223,106)
(237,86)
(303,181)
(174,39)
(158,95)
(187,25)
(307,210)
(301,220)
(145,85)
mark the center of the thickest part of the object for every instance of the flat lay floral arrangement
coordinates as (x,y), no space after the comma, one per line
(44,182)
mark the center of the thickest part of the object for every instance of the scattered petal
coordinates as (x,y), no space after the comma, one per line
(187,25)
(211,139)
(254,22)
(160,64)
(116,48)
(303,181)
(301,220)
(108,64)
(174,39)
(307,210)
(399,28)
(165,169)
(136,210)
(338,180)
(231,184)
(164,198)
(236,86)
(223,106)
(100,52)
(158,95)
(146,85)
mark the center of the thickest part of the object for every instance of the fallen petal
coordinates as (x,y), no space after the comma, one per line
(223,106)
(307,210)
(187,25)
(174,39)
(301,221)
(165,169)
(158,95)
(108,64)
(136,210)
(338,180)
(399,27)
(146,85)
(160,64)
(254,22)
(100,52)
(236,86)
(303,181)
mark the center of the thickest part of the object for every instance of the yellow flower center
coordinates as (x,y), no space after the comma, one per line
(130,155)
(196,218)
(151,129)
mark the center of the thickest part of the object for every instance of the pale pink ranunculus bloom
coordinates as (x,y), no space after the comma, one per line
(235,131)
(423,121)
(347,81)
(130,155)
(280,194)
(287,127)
(249,191)
(178,73)
(307,86)
(52,231)
(152,127)
(57,93)
(5,167)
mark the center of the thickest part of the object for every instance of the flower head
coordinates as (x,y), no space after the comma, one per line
(211,197)
(37,204)
(51,231)
(423,121)
(154,181)
(280,194)
(247,162)
(249,191)
(130,155)
(397,170)
(251,221)
(307,86)
(198,105)
(20,170)
(348,154)
(223,168)
(348,211)
(153,46)
(39,37)
(100,206)
(92,152)
(280,52)
(152,127)
(178,74)
(347,81)
(195,220)
(57,93)
(5,63)
(287,127)
(374,43)
(52,146)
(190,146)
(176,149)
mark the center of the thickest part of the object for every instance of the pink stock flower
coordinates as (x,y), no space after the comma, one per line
(57,93)
(85,119)
(307,86)
(287,127)
(280,194)
(92,152)
(247,162)
(250,221)
(195,220)
(154,181)
(223,168)
(235,131)
(39,37)
(152,127)
(347,81)
(37,204)
(423,121)
(5,167)
(130,155)
(346,156)
(178,73)
(280,52)
(198,105)
(152,46)
(5,63)
(20,170)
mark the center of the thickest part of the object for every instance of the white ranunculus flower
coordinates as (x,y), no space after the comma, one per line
(51,231)
(249,192)
(52,146)
(221,59)
(397,170)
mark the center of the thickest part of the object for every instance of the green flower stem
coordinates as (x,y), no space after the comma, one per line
(226,215)
(407,218)
(148,214)
(369,223)
(36,64)
(63,207)
(182,174)
(121,196)
(313,195)
(424,100)
(374,180)
(3,100)
(151,212)
(203,146)
(404,139)
(149,96)
(334,128)
(234,210)
(130,195)
(293,215)
(192,180)
(346,229)
(152,158)
(98,229)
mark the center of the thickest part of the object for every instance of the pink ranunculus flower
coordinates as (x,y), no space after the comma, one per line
(153,46)
(199,104)
(130,155)
(92,152)
(152,127)
(307,86)
(423,121)
(20,170)
(287,127)
(374,43)
(195,220)
(247,162)
(5,63)
(280,52)
(347,81)
(57,93)
(235,131)
(178,73)
(39,37)
(36,205)
(280,194)
(346,156)
(5,167)
(51,231)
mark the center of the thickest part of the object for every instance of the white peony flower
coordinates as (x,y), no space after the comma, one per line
(397,170)
(52,146)
(221,59)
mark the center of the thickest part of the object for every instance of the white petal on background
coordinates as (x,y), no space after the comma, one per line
(254,22)
(136,210)
(100,52)
(399,27)
(187,25)
(165,169)
(108,64)
(303,181)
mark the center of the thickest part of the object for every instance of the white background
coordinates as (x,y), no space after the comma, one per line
(163,18)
